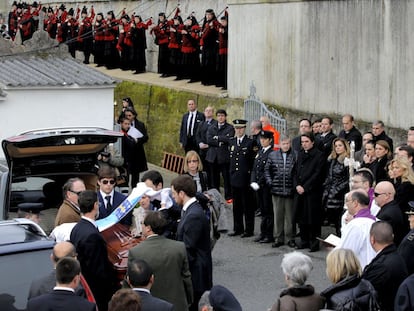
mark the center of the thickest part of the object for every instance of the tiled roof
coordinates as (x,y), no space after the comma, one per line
(32,71)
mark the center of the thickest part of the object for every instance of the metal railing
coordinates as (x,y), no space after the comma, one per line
(254,108)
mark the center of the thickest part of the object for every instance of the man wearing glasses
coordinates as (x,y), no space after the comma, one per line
(108,198)
(69,210)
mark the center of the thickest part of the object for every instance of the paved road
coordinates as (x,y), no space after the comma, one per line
(252,270)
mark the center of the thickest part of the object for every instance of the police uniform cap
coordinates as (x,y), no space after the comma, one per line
(411,211)
(221,299)
(266,134)
(33,208)
(239,123)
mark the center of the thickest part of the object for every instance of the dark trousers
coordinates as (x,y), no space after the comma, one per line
(309,233)
(266,210)
(224,169)
(242,206)
(191,144)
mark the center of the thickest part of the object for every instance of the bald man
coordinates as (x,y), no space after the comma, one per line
(389,210)
(46,283)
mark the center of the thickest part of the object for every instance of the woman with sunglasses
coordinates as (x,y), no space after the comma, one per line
(403,180)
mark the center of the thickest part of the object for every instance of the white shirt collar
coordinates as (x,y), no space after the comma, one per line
(142,290)
(188,203)
(90,220)
(267,148)
(103,194)
(64,288)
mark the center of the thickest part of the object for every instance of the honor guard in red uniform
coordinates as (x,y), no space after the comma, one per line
(175,46)
(161,32)
(69,30)
(85,38)
(50,23)
(99,28)
(13,20)
(139,41)
(209,48)
(111,39)
(222,54)
(125,43)
(190,32)
(26,24)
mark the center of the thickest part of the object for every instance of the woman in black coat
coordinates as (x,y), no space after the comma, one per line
(336,183)
(349,291)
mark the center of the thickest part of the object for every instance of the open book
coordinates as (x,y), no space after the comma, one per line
(331,240)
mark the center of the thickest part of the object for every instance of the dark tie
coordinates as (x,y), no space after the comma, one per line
(108,203)
(190,125)
(182,213)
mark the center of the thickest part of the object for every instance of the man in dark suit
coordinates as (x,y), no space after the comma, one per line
(389,210)
(108,198)
(378,131)
(46,283)
(139,159)
(350,132)
(194,231)
(63,297)
(387,270)
(241,162)
(92,251)
(189,124)
(201,139)
(218,155)
(324,140)
(168,261)
(140,278)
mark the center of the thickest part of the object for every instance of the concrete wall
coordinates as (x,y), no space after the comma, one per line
(55,108)
(326,56)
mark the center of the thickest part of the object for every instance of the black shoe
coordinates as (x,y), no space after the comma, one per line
(314,247)
(164,75)
(246,235)
(258,239)
(192,81)
(257,213)
(292,244)
(267,240)
(235,233)
(302,246)
(277,244)
(178,79)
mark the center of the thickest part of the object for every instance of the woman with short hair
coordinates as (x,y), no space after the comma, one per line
(298,296)
(349,291)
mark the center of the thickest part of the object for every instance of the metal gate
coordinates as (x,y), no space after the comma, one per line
(254,109)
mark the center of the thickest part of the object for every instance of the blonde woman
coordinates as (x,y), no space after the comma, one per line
(336,183)
(194,168)
(349,291)
(403,180)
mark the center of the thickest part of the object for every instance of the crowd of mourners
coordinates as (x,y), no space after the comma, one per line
(119,41)
(356,183)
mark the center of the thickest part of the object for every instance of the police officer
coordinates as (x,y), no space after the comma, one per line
(258,183)
(218,155)
(406,248)
(241,162)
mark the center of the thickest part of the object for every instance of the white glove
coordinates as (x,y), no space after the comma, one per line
(255,186)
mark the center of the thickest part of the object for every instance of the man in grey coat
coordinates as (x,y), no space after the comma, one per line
(168,260)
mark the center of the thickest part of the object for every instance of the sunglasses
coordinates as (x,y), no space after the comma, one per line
(75,192)
(106,181)
(376,194)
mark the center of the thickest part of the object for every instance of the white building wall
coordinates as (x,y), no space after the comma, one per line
(46,108)
(326,56)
